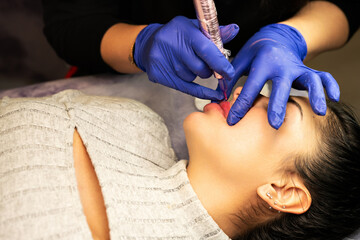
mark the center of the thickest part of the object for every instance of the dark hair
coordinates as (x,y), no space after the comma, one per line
(332,176)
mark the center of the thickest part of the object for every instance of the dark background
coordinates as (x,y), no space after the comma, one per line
(26,57)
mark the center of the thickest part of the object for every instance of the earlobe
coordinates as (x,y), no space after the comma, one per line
(290,196)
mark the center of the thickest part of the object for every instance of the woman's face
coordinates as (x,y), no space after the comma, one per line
(251,150)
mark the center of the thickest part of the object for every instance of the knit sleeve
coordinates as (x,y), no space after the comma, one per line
(74,28)
(351,9)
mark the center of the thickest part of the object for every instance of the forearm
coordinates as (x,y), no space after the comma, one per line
(116,47)
(323,25)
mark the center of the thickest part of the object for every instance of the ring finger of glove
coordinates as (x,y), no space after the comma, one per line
(313,83)
(197,66)
(277,103)
(183,72)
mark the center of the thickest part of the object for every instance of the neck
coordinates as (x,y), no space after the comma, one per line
(234,206)
(216,199)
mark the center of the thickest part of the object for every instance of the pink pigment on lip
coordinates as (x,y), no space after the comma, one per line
(225,105)
(222,107)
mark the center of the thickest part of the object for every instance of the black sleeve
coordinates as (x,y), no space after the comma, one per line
(74,28)
(351,9)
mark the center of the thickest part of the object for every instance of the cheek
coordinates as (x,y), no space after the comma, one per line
(251,136)
(246,144)
(209,133)
(254,127)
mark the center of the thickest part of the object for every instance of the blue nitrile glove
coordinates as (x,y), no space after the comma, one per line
(276,53)
(175,53)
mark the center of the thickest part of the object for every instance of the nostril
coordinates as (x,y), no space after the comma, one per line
(237,91)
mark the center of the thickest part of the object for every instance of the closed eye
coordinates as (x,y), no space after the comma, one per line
(292,100)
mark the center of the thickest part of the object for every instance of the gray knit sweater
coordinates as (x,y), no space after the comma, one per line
(146,191)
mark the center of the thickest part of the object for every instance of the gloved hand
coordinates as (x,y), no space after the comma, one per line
(275,53)
(175,53)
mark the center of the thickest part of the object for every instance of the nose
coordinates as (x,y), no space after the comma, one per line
(236,94)
(260,98)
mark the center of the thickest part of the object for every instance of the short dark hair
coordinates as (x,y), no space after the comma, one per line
(332,176)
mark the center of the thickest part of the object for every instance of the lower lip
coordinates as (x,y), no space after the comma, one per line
(223,107)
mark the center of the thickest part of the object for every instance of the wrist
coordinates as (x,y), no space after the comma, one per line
(131,55)
(140,43)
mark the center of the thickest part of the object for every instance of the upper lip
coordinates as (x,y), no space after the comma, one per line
(222,107)
(225,106)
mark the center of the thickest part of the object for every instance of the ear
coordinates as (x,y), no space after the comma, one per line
(286,195)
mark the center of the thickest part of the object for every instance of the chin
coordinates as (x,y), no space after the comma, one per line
(196,131)
(192,122)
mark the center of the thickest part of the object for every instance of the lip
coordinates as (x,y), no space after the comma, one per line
(225,105)
(223,108)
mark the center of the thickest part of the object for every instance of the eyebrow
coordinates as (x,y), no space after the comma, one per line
(291,100)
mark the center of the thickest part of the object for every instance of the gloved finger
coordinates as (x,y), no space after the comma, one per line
(200,68)
(212,56)
(199,91)
(315,88)
(278,99)
(229,87)
(241,64)
(228,32)
(250,91)
(195,22)
(194,89)
(331,86)
(197,66)
(184,73)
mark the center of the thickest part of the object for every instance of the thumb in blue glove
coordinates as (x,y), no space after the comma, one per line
(276,53)
(175,53)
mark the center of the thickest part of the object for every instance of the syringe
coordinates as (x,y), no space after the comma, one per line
(209,25)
